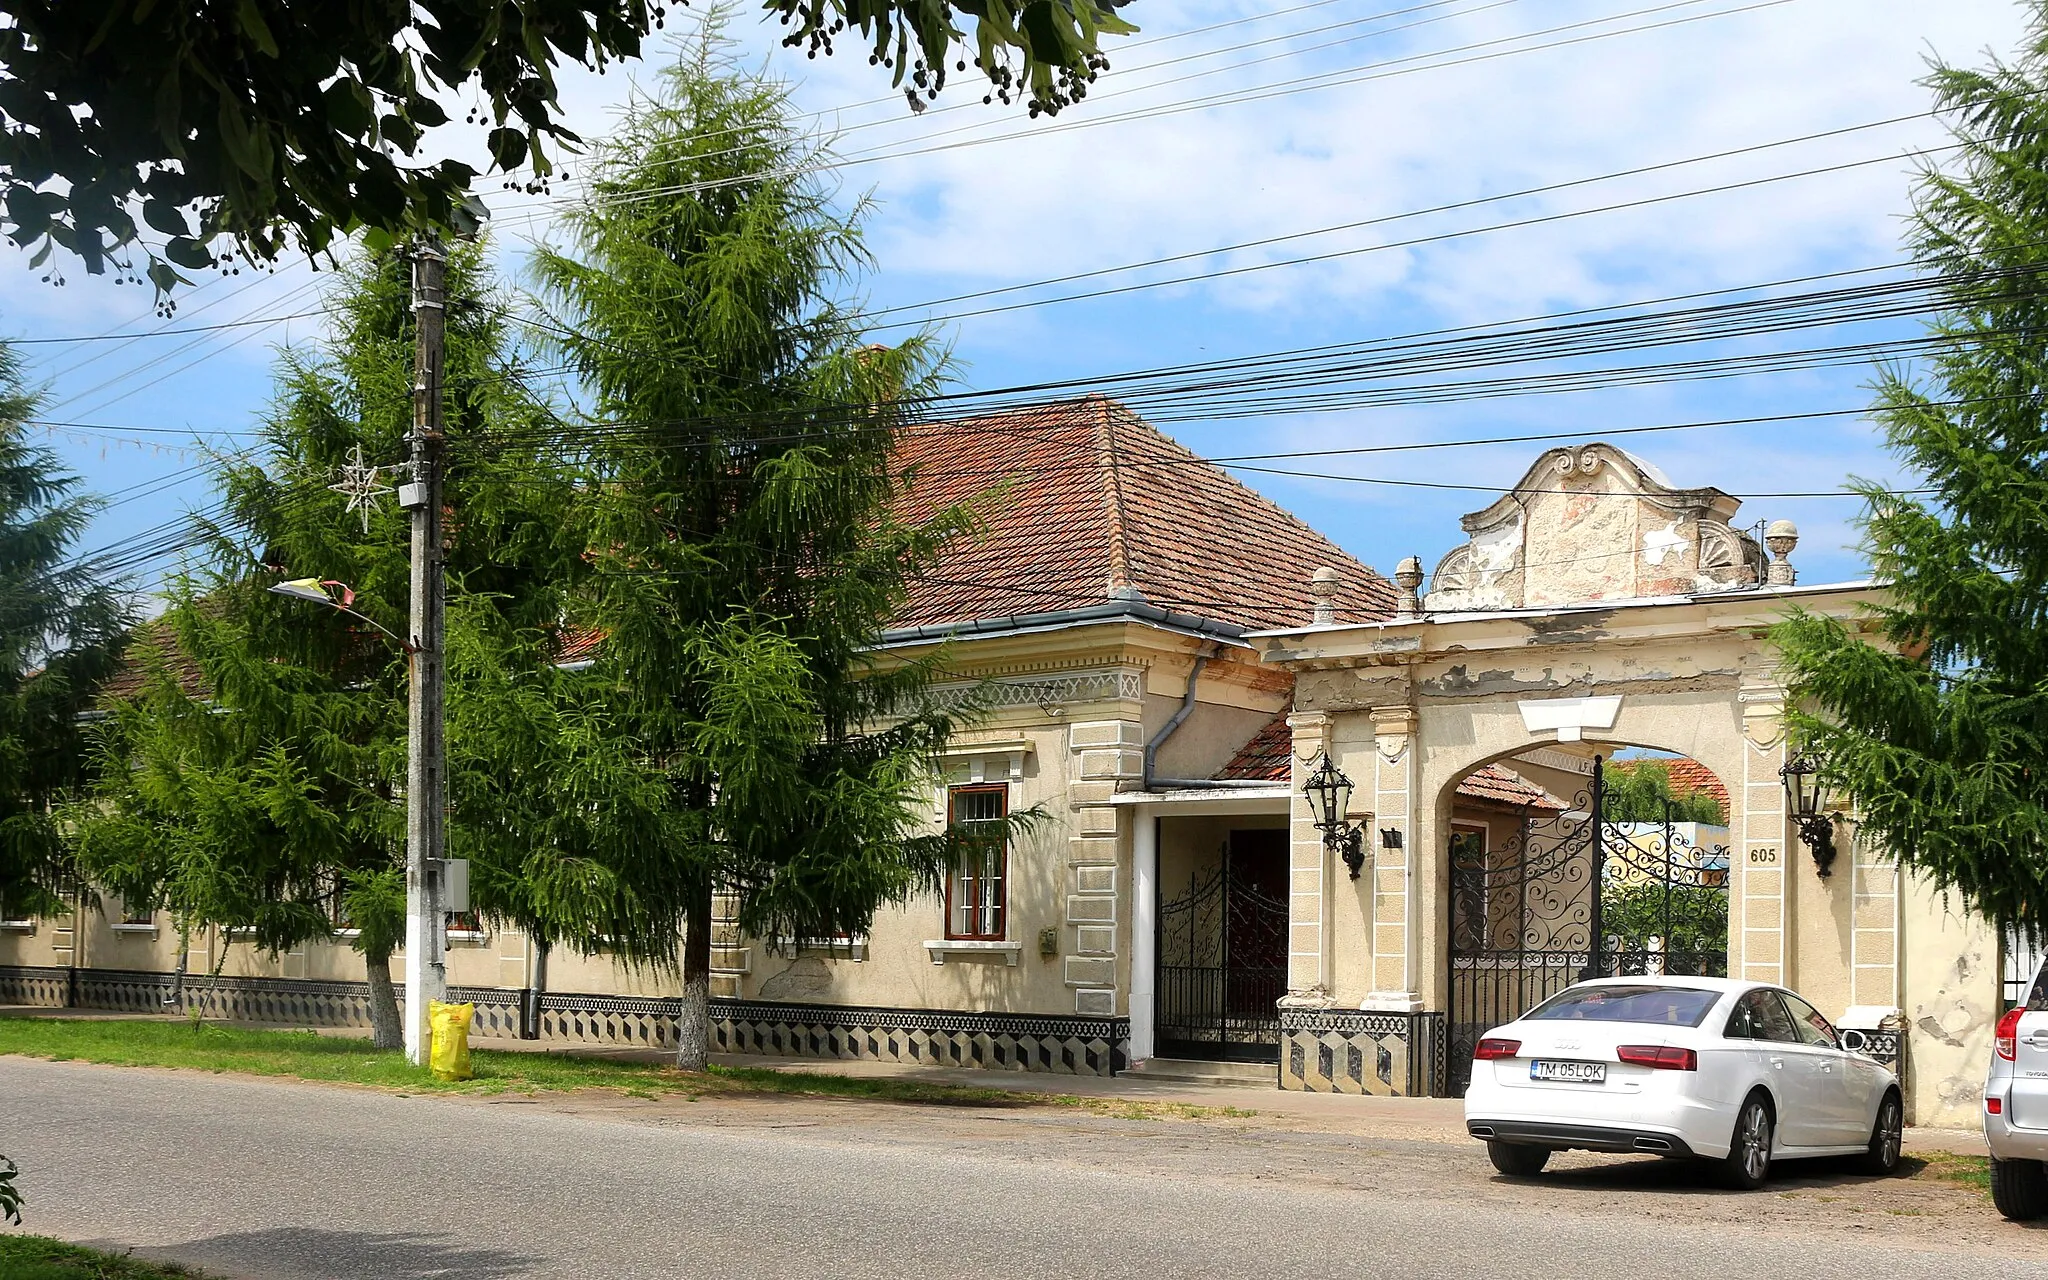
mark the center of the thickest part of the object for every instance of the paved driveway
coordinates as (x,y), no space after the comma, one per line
(271,1179)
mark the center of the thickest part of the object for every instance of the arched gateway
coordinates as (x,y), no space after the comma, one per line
(1594,608)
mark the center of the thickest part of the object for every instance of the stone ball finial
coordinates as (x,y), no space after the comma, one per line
(1323,585)
(1408,577)
(1781,536)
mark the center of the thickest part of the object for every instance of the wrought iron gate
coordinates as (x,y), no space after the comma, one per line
(1223,961)
(1574,897)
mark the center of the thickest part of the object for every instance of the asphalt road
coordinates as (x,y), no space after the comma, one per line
(278,1180)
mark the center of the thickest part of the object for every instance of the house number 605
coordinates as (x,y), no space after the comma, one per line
(1763,856)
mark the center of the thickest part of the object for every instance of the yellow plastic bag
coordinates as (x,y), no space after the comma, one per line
(450,1055)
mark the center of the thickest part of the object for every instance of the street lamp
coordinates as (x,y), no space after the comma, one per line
(1329,798)
(1803,800)
(433,884)
(315,590)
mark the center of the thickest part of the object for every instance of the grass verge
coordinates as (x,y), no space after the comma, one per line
(1950,1166)
(307,1055)
(24,1257)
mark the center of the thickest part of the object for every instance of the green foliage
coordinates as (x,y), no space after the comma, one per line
(60,634)
(10,1194)
(270,122)
(24,1257)
(744,551)
(1688,917)
(257,772)
(1641,791)
(1938,732)
(1045,52)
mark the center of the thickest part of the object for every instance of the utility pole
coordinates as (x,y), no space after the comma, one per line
(426,940)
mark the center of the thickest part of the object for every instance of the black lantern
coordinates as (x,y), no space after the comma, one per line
(1329,797)
(1801,776)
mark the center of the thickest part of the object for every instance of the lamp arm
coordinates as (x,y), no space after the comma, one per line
(408,646)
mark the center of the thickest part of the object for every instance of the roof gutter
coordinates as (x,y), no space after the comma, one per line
(1120,610)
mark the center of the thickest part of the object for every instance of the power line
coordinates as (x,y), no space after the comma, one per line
(1371,71)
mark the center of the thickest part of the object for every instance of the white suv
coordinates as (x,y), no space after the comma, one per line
(2016,1107)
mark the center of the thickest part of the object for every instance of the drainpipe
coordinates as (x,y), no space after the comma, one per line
(1187,706)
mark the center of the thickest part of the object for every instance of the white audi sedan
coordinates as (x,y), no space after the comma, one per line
(1739,1073)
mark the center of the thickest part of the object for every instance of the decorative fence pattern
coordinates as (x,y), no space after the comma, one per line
(1346,1051)
(1012,1042)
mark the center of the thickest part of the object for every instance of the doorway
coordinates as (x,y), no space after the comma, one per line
(1223,954)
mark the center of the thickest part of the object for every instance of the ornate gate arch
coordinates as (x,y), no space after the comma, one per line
(1573,897)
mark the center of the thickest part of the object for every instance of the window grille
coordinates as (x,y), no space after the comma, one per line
(975,892)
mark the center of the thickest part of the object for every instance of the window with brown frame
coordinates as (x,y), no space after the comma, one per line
(976,889)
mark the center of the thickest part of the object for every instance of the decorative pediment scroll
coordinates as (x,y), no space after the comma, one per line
(1589,523)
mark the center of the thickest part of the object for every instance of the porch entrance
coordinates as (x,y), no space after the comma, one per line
(1573,897)
(1223,954)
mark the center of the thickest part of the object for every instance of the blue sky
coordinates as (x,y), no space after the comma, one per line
(1436,104)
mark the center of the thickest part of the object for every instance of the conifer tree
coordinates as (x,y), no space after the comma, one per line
(743,549)
(256,778)
(60,631)
(1940,732)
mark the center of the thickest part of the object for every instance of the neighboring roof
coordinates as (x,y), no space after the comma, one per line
(1687,777)
(1268,757)
(153,643)
(1501,785)
(1094,504)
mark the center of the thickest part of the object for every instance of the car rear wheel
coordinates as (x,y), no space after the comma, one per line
(1748,1163)
(1886,1137)
(1517,1159)
(2019,1188)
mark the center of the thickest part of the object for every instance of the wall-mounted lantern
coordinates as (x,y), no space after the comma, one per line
(1807,805)
(1329,798)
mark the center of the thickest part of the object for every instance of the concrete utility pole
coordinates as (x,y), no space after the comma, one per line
(426,940)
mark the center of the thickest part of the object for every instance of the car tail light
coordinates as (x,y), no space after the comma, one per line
(2006,1038)
(1994,1106)
(1491,1048)
(1664,1057)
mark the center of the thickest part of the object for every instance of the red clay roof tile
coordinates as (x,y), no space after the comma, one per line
(1091,500)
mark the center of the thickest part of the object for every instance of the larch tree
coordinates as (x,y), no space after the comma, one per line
(255,776)
(61,628)
(1938,733)
(743,550)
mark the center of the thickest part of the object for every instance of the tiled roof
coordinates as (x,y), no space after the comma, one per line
(153,643)
(1267,758)
(1687,777)
(1090,502)
(1502,785)
(1082,502)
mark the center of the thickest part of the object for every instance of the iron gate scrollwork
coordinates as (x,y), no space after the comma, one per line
(1222,967)
(1573,897)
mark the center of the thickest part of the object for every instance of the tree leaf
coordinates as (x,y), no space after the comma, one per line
(508,147)
(166,217)
(188,253)
(250,19)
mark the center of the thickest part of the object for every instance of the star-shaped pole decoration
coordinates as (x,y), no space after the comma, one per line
(359,484)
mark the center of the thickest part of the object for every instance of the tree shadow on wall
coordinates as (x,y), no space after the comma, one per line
(296,1252)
